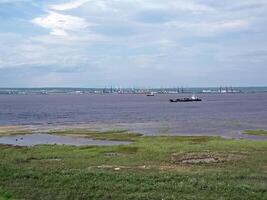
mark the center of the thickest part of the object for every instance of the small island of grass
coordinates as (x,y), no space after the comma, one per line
(256,132)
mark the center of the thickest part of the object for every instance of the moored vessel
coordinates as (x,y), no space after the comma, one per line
(190,99)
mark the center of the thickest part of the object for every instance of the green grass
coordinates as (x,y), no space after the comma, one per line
(15,132)
(116,135)
(256,132)
(4,195)
(144,169)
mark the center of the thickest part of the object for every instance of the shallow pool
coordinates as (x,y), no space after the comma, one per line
(39,139)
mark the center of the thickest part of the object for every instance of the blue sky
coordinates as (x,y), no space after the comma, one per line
(133,43)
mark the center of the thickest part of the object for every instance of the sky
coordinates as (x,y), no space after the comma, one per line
(133,43)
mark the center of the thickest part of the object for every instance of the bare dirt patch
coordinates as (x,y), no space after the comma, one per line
(114,154)
(10,130)
(204,157)
(118,168)
(163,167)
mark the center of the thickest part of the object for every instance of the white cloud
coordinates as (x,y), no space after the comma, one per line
(36,54)
(13,1)
(58,32)
(206,28)
(124,36)
(231,25)
(68,6)
(182,5)
(60,24)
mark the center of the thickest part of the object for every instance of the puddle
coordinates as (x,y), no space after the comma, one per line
(39,139)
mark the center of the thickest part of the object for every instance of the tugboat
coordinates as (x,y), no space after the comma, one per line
(191,99)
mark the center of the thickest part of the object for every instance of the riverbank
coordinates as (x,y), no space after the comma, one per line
(159,167)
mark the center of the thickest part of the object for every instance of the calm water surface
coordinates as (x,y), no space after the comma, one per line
(37,139)
(218,114)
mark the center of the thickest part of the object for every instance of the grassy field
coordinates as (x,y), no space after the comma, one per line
(256,132)
(150,168)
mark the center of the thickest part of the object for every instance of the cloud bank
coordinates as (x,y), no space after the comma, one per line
(133,42)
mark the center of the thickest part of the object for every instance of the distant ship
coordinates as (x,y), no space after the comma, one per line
(191,99)
(151,94)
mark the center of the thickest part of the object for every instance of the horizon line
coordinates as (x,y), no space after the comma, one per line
(136,87)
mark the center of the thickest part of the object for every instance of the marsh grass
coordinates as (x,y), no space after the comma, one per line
(256,132)
(115,135)
(145,171)
(16,133)
(4,195)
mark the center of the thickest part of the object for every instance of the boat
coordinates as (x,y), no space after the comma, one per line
(151,94)
(191,99)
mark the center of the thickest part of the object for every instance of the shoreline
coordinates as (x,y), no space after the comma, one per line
(97,127)
(148,168)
